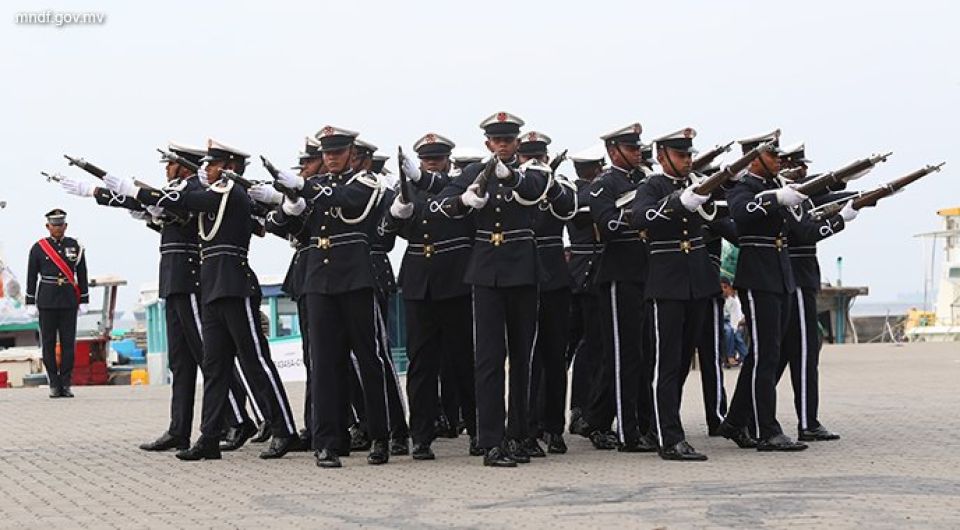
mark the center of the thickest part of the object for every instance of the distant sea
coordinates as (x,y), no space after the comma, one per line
(899,307)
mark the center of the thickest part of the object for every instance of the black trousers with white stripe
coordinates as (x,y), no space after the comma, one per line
(185,356)
(676,325)
(710,355)
(587,353)
(549,369)
(505,327)
(232,329)
(305,345)
(340,324)
(754,402)
(801,350)
(438,330)
(622,377)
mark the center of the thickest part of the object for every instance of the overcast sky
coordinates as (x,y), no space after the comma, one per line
(849,78)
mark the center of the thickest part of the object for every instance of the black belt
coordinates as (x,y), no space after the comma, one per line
(180,248)
(336,240)
(549,241)
(775,242)
(808,251)
(634,236)
(678,245)
(438,247)
(223,250)
(498,238)
(54,280)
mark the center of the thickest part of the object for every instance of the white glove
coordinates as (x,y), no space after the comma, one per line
(410,169)
(789,196)
(139,215)
(472,198)
(294,208)
(121,185)
(692,200)
(80,188)
(289,180)
(265,193)
(155,211)
(82,309)
(849,213)
(32,311)
(502,171)
(202,174)
(400,209)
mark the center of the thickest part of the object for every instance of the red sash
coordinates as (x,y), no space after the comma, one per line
(62,265)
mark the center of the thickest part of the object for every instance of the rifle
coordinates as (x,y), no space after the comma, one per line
(52,177)
(706,187)
(557,160)
(237,178)
(707,158)
(870,198)
(793,174)
(174,158)
(404,194)
(850,171)
(99,173)
(274,172)
(452,208)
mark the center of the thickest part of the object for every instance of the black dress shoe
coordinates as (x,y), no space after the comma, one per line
(423,452)
(604,441)
(517,452)
(819,434)
(262,433)
(643,444)
(682,451)
(56,392)
(327,458)
(576,413)
(555,443)
(358,439)
(533,449)
(237,436)
(165,442)
(580,426)
(444,429)
(461,427)
(497,457)
(399,446)
(713,430)
(203,449)
(379,453)
(279,446)
(304,442)
(780,442)
(475,449)
(738,435)
(66,392)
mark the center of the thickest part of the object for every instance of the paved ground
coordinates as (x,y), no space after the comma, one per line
(74,463)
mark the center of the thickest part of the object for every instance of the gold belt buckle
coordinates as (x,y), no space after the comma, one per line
(686,246)
(59,281)
(642,235)
(496,238)
(778,242)
(427,250)
(324,243)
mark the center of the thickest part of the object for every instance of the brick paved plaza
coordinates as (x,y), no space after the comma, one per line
(75,463)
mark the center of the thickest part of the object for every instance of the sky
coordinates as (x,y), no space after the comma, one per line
(848,78)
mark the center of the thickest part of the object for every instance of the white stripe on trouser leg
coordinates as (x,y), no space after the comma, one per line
(473,317)
(257,413)
(195,308)
(656,370)
(382,326)
(616,360)
(356,370)
(803,359)
(263,364)
(235,407)
(716,357)
(533,347)
(383,369)
(756,359)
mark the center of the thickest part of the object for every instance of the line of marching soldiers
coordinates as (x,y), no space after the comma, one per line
(487,282)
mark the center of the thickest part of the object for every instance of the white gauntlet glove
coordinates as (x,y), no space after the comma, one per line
(155,211)
(294,208)
(121,185)
(265,193)
(410,169)
(289,180)
(400,209)
(472,198)
(789,196)
(80,188)
(139,215)
(849,213)
(691,200)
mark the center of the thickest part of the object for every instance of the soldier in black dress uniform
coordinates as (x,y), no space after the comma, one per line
(623,387)
(437,301)
(504,273)
(230,294)
(57,288)
(680,281)
(548,371)
(339,290)
(179,287)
